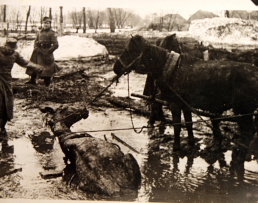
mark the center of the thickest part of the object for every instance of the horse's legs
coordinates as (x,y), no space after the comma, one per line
(156,113)
(254,143)
(247,130)
(217,136)
(239,155)
(189,126)
(176,115)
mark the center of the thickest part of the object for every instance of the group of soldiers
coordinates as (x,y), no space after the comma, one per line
(41,65)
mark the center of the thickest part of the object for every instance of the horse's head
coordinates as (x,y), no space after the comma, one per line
(130,58)
(62,118)
(171,43)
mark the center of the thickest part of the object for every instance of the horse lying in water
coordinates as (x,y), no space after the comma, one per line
(94,165)
(213,86)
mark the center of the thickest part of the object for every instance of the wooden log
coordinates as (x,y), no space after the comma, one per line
(196,111)
(12,171)
(147,97)
(51,174)
(124,143)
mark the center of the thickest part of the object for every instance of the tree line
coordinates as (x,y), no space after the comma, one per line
(17,18)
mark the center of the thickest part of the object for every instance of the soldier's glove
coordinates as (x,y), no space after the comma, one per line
(51,50)
(37,68)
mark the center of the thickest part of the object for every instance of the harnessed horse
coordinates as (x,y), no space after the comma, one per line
(170,43)
(213,86)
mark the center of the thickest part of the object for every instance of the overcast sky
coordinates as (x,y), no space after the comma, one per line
(144,7)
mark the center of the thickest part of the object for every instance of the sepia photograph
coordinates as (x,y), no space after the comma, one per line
(129,101)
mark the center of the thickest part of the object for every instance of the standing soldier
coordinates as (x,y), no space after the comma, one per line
(44,46)
(8,56)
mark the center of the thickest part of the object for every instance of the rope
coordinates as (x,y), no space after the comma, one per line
(98,95)
(192,109)
(130,110)
(181,123)
(86,105)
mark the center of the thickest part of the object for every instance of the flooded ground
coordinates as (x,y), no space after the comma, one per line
(166,177)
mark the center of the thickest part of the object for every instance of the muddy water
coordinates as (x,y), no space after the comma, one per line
(170,179)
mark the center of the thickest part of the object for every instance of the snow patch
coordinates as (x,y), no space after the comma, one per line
(226,30)
(70,47)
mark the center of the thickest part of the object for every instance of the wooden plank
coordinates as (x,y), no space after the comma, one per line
(51,174)
(147,97)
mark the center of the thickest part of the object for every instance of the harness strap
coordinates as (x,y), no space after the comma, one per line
(170,65)
(129,65)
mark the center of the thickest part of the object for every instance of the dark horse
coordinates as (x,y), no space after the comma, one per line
(170,43)
(213,86)
(151,88)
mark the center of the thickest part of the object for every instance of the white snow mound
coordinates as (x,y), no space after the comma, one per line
(70,47)
(226,30)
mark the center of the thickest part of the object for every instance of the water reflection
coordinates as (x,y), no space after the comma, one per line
(7,159)
(43,143)
(169,180)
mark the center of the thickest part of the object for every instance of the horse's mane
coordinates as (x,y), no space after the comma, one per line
(159,55)
(186,47)
(137,42)
(189,58)
(170,43)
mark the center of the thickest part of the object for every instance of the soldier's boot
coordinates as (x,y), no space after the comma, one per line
(3,133)
(47,81)
(33,79)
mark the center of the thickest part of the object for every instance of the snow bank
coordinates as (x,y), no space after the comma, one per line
(70,47)
(226,30)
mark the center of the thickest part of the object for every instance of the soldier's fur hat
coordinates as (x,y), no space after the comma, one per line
(11,42)
(46,19)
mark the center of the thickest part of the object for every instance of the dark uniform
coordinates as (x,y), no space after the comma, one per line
(44,46)
(8,56)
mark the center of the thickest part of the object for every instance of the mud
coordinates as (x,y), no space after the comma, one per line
(186,176)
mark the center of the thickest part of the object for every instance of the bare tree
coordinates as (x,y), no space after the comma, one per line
(96,18)
(84,19)
(161,20)
(50,13)
(227,15)
(171,19)
(18,22)
(134,20)
(43,12)
(35,17)
(27,17)
(121,16)
(76,17)
(4,20)
(61,21)
(112,23)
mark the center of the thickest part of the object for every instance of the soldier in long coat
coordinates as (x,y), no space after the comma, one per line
(44,46)
(8,56)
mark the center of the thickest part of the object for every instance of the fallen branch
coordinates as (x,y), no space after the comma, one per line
(124,143)
(147,97)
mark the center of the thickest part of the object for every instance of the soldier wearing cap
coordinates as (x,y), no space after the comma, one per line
(44,46)
(8,56)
